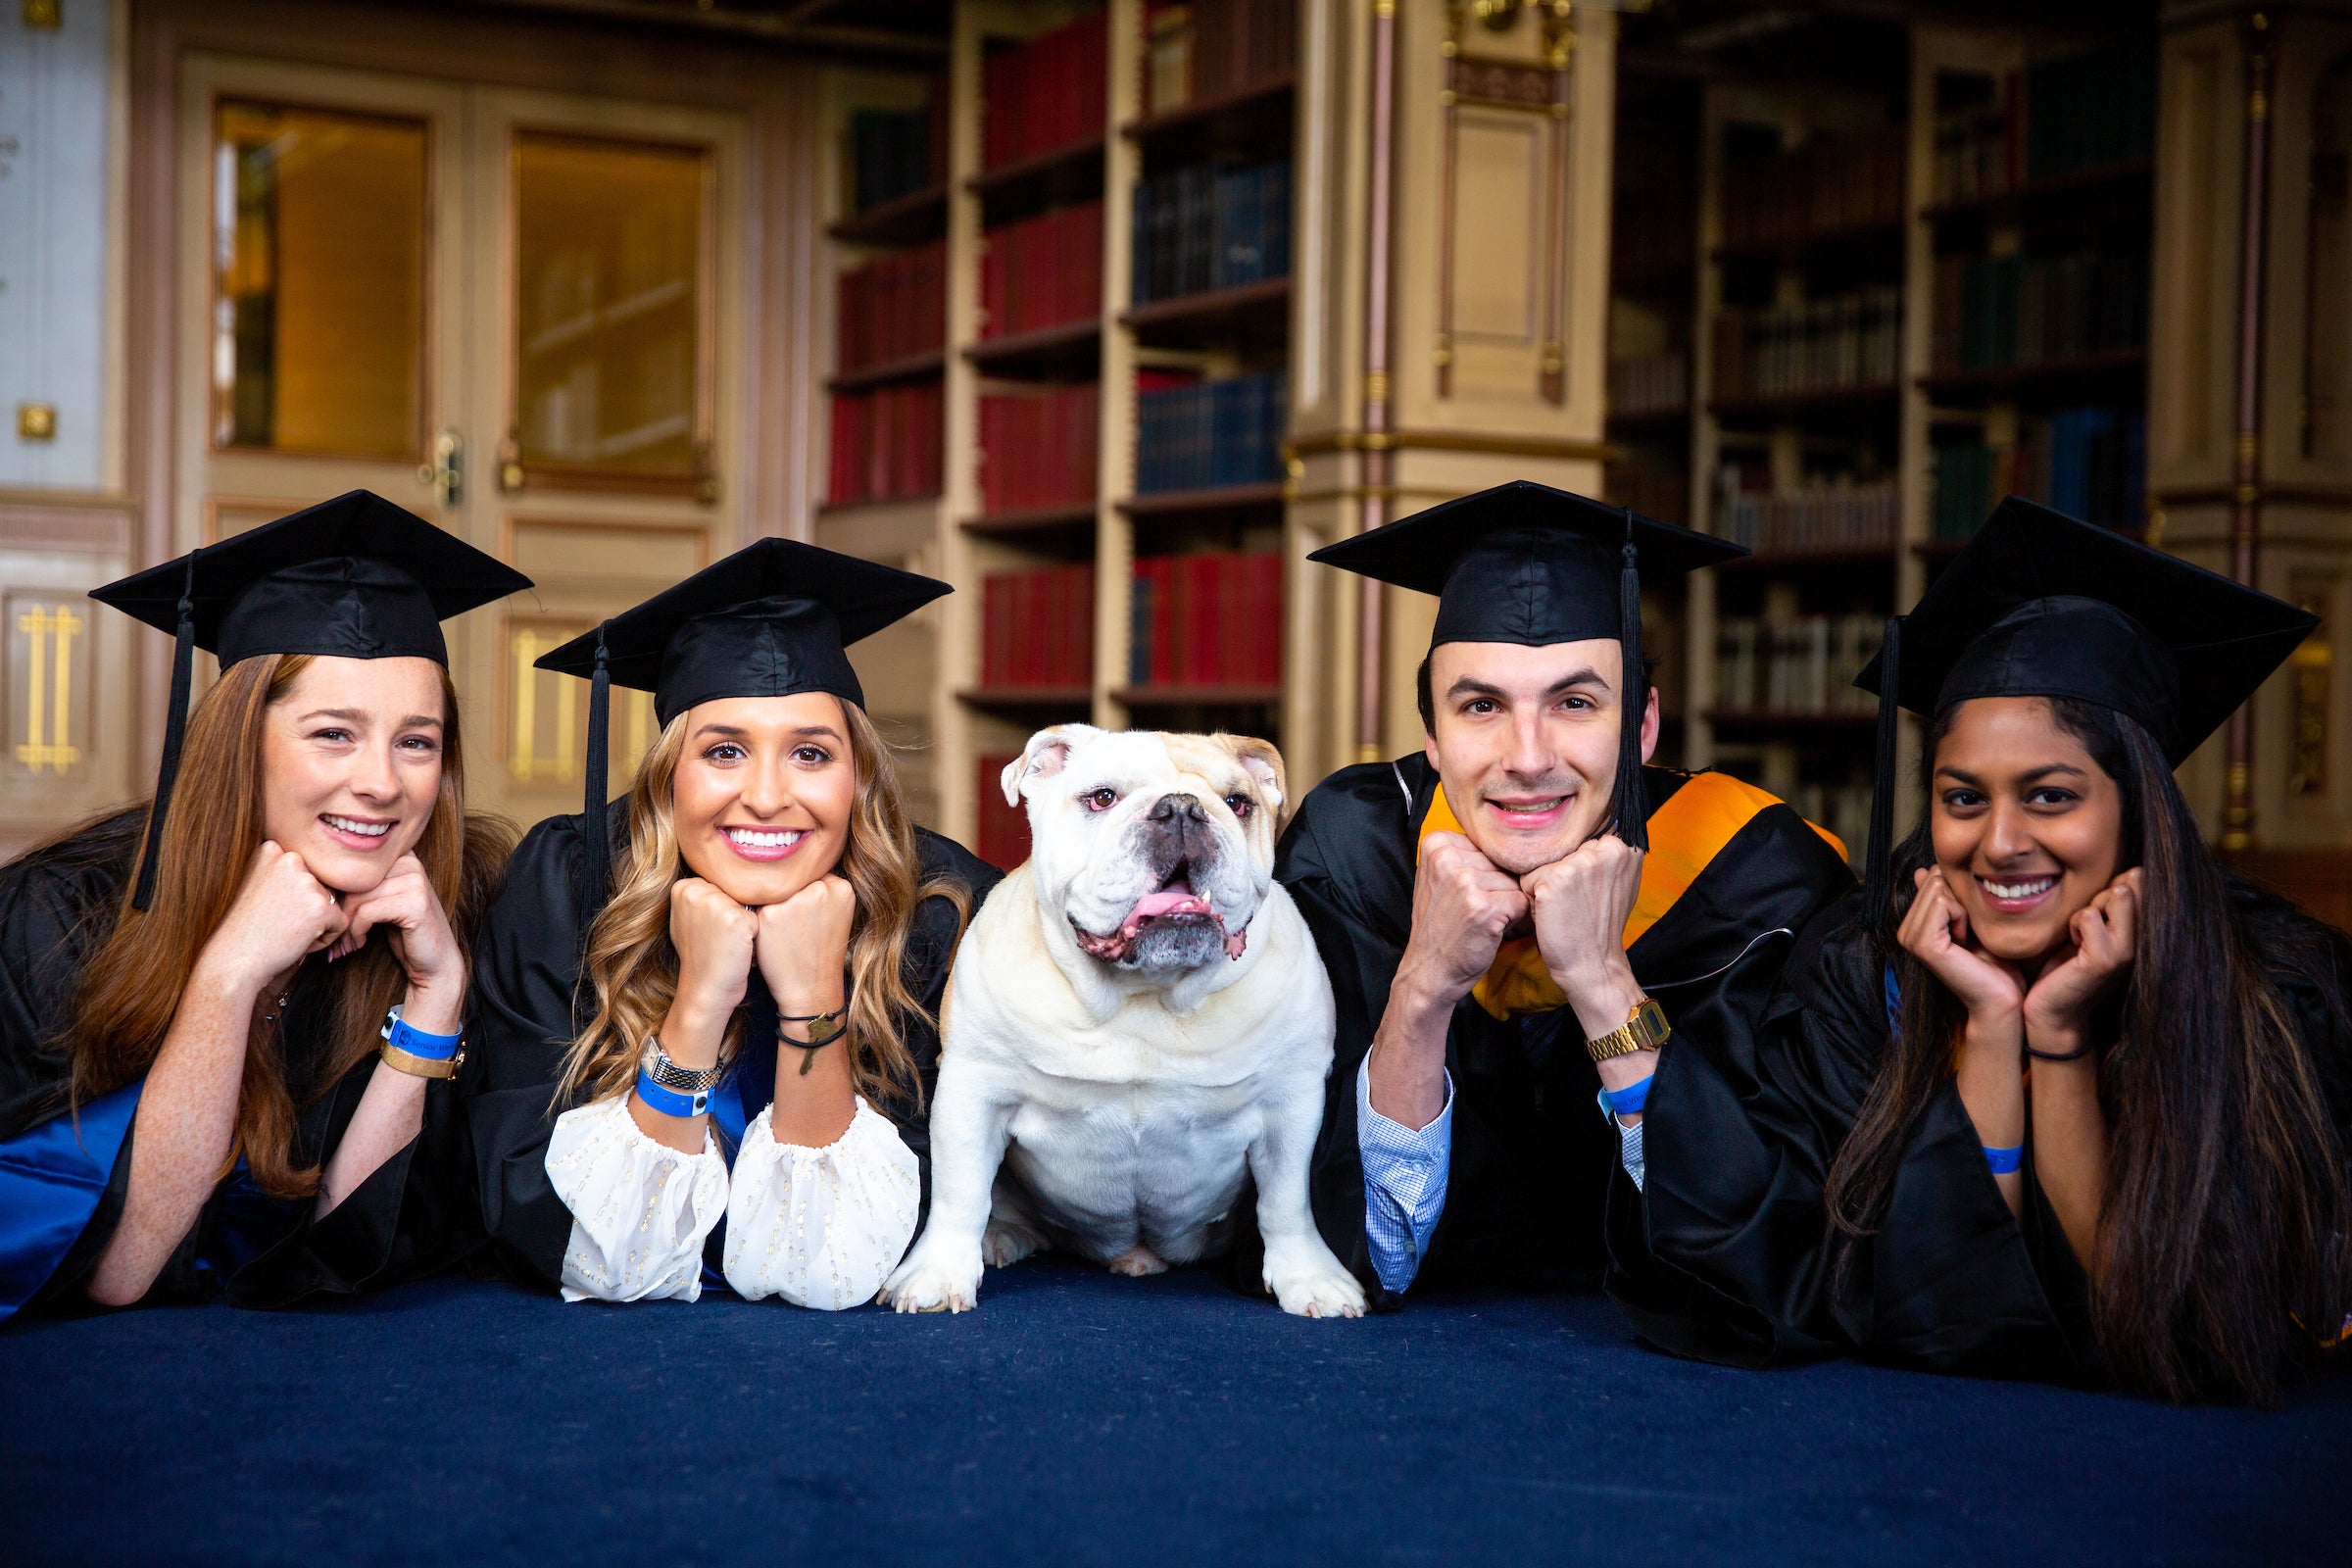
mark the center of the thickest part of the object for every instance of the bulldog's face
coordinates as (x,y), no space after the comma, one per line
(1158,849)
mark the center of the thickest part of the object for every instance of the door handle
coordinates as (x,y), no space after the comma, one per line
(446,473)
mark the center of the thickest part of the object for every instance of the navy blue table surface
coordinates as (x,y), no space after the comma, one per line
(1076,1417)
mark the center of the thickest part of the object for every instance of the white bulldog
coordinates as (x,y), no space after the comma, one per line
(1137,1021)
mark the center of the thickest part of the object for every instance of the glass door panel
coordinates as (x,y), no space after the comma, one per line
(319,239)
(611,345)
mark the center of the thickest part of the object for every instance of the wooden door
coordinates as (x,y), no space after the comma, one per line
(512,313)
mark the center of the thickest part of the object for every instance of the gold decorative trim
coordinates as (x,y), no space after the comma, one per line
(1501,446)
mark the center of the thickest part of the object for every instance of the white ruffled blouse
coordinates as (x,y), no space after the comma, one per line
(818,1227)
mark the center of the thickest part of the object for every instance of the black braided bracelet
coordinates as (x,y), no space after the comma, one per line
(2076,1055)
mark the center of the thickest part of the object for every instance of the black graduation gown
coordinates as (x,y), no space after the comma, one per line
(530,1003)
(64,1177)
(1532,1156)
(1730,1251)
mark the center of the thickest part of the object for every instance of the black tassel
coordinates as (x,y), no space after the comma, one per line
(1632,800)
(597,880)
(175,731)
(1877,883)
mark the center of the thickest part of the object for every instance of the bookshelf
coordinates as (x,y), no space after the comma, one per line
(1110,213)
(1882,312)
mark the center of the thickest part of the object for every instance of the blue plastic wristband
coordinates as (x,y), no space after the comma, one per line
(417,1043)
(669,1102)
(2005,1162)
(1628,1102)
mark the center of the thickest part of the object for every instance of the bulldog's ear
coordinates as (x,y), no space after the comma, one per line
(1264,764)
(1042,758)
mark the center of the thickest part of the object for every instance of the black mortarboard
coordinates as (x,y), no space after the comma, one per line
(2043,605)
(769,621)
(354,578)
(1526,564)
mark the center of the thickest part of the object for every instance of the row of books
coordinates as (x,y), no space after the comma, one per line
(1197,50)
(1830,183)
(1653,218)
(1206,227)
(896,152)
(886,443)
(892,306)
(1002,840)
(2092,108)
(1211,619)
(1198,435)
(1044,270)
(1651,383)
(1663,493)
(1047,92)
(1823,516)
(1849,340)
(2078,112)
(2029,310)
(1038,449)
(2089,463)
(1803,666)
(1036,629)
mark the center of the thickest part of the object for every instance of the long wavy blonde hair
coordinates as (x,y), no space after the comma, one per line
(634,969)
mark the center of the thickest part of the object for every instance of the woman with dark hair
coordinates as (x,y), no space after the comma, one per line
(227,1031)
(709,1010)
(2056,1094)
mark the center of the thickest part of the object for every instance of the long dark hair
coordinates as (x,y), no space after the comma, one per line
(2221,1259)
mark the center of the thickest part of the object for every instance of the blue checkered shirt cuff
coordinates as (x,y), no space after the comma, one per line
(1405,1182)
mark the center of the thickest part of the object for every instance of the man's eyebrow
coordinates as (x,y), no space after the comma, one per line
(1472,686)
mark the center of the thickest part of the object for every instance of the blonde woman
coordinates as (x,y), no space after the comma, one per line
(230,1032)
(707,1013)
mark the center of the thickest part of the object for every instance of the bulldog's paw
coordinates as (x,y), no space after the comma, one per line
(1137,1262)
(929,1281)
(1309,1282)
(1005,1243)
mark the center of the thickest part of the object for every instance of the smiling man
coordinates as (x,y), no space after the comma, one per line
(1518,918)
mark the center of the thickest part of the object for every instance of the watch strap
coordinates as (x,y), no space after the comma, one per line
(409,1062)
(655,1064)
(1645,1029)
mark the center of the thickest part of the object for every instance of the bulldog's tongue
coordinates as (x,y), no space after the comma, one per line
(1173,899)
(1176,899)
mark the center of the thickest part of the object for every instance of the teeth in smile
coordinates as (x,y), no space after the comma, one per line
(2020,889)
(352,824)
(752,838)
(1528,809)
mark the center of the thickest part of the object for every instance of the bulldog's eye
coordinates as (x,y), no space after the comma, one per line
(1240,805)
(1098,799)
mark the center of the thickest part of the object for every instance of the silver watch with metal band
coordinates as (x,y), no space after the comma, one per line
(657,1066)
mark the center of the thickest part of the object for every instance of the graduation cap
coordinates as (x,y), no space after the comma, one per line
(2043,605)
(354,578)
(769,621)
(1526,564)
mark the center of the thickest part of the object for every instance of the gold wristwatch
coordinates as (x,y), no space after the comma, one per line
(1643,1029)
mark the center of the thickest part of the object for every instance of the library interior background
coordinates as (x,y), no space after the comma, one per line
(1109,314)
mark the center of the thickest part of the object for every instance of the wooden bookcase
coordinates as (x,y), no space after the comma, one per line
(1821,410)
(949,716)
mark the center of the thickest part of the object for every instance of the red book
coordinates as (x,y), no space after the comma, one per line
(1207,632)
(992,630)
(1085,597)
(1003,836)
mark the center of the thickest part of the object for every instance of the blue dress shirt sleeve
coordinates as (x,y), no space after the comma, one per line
(1405,1182)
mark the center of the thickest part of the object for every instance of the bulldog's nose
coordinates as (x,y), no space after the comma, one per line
(1174,811)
